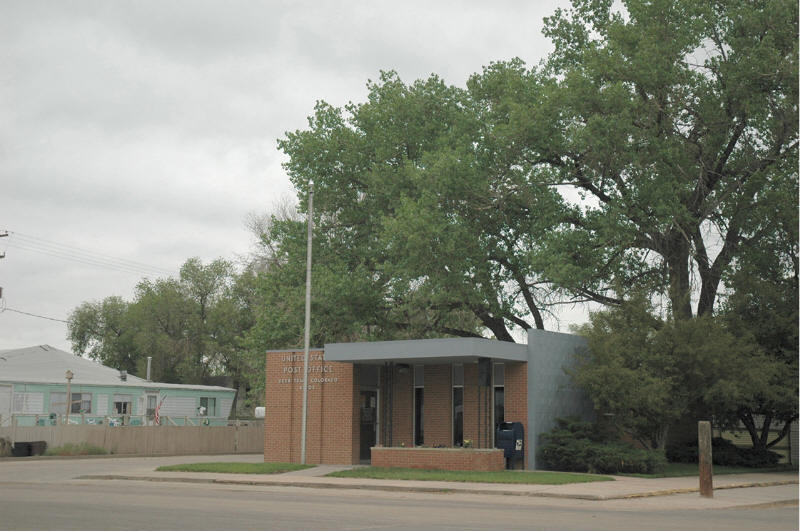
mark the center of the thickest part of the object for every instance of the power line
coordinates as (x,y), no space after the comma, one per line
(32,315)
(66,252)
(86,252)
(82,260)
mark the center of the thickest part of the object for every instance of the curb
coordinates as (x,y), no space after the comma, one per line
(267,483)
(105,456)
(697,489)
(402,488)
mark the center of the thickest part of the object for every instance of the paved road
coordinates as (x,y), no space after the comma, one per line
(145,505)
(44,494)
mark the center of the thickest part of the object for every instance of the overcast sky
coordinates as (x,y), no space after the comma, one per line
(146,131)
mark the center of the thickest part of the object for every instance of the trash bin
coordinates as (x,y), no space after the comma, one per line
(510,437)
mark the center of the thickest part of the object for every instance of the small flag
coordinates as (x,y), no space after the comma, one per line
(157,419)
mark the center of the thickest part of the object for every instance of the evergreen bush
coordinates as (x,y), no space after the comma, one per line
(723,453)
(579,446)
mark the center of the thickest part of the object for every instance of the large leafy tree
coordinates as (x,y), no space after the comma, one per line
(677,125)
(670,120)
(192,326)
(410,190)
(637,157)
(103,331)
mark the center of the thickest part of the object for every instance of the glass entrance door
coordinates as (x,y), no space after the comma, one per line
(368,402)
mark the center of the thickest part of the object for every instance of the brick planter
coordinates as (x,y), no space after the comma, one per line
(483,460)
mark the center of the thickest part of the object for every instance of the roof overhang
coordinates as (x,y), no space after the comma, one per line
(426,351)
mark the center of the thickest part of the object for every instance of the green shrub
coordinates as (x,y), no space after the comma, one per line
(725,453)
(579,446)
(76,449)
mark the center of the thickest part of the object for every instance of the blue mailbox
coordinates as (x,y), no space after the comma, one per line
(510,437)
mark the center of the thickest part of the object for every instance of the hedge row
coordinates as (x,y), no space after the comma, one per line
(579,446)
(724,453)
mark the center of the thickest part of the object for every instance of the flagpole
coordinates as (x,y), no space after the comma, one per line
(310,223)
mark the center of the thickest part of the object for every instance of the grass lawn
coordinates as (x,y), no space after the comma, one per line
(503,476)
(235,468)
(690,469)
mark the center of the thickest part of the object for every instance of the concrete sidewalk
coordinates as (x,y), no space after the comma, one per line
(736,490)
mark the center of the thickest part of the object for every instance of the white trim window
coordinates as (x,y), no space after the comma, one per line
(498,396)
(419,405)
(208,407)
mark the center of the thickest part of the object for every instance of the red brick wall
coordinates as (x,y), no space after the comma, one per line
(332,422)
(333,413)
(439,458)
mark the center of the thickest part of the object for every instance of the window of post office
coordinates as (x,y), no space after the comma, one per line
(208,407)
(419,410)
(499,386)
(458,405)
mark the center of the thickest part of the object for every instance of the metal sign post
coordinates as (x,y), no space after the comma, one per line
(310,224)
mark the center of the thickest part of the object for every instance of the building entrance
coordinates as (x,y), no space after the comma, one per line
(368,404)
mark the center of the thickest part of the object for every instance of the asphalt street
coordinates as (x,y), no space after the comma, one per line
(44,494)
(136,505)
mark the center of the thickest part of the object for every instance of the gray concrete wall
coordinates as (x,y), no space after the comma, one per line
(148,440)
(551,393)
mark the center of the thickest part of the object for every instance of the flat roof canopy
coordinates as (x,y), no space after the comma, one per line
(430,351)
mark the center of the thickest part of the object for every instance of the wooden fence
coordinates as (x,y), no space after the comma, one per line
(241,437)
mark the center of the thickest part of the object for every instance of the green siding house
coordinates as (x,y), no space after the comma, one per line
(33,390)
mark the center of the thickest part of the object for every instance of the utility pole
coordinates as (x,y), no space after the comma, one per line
(69,377)
(3,234)
(310,223)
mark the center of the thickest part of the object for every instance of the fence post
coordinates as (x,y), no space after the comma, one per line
(705,459)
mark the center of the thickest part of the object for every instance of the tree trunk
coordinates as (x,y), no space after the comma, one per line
(755,437)
(495,324)
(787,425)
(660,440)
(677,259)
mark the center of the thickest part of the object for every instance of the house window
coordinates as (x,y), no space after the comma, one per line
(208,407)
(123,404)
(81,403)
(152,401)
(458,405)
(58,403)
(419,399)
